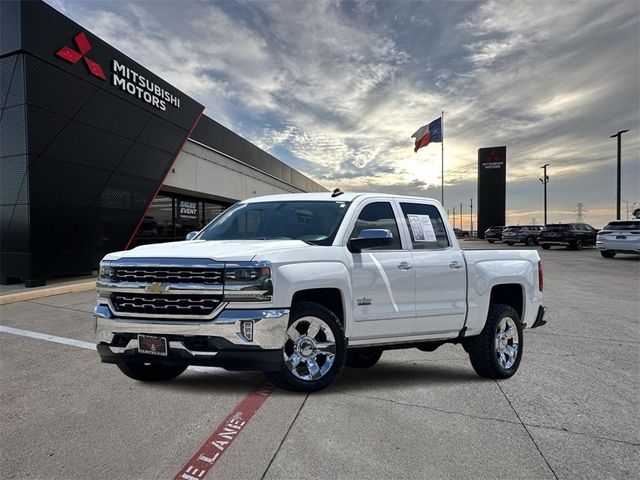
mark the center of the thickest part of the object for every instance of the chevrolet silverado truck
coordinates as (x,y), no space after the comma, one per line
(301,285)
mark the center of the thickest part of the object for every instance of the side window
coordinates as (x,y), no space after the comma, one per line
(378,215)
(425,226)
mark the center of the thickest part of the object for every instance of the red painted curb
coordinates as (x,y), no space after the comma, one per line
(224,435)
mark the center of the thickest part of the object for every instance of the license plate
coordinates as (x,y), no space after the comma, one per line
(621,237)
(152,345)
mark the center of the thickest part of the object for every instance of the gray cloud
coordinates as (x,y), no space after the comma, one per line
(335,89)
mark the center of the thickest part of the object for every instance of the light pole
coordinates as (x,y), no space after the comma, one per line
(461,217)
(545,180)
(454,217)
(619,135)
(471,215)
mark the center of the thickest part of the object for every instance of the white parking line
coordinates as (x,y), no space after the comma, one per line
(47,337)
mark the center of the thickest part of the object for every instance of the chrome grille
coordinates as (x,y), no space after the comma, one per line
(208,276)
(164,305)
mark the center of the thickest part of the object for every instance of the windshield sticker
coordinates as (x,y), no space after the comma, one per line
(422,228)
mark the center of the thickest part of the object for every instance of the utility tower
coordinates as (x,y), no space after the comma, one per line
(580,211)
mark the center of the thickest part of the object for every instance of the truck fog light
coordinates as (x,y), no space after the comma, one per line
(246,328)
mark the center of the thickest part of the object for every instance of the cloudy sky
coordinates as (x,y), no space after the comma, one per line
(335,89)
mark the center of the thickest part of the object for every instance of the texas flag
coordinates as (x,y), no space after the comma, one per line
(428,133)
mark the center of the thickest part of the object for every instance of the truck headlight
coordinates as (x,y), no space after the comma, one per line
(106,271)
(248,281)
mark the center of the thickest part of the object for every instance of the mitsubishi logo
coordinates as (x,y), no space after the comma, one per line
(72,56)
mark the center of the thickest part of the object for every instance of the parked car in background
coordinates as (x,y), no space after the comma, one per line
(571,235)
(619,236)
(527,234)
(493,234)
(460,233)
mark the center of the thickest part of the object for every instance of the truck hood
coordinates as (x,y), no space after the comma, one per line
(220,250)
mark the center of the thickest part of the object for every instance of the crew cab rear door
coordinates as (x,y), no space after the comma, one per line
(441,283)
(383,278)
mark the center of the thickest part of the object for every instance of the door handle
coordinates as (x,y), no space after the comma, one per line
(405,266)
(455,265)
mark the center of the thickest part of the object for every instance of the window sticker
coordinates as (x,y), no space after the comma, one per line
(422,228)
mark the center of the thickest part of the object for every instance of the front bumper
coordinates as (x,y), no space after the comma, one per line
(218,342)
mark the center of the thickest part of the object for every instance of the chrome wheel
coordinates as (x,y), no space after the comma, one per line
(507,342)
(310,349)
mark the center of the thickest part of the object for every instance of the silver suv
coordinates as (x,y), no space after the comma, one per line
(620,236)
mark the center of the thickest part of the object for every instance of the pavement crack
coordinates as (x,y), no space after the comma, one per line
(285,437)
(528,432)
(425,407)
(59,307)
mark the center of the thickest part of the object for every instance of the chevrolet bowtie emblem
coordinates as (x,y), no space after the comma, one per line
(156,288)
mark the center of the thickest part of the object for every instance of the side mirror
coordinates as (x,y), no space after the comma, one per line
(374,237)
(190,235)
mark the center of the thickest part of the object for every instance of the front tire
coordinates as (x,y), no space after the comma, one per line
(577,245)
(497,351)
(363,357)
(607,253)
(511,244)
(314,352)
(546,246)
(530,242)
(148,372)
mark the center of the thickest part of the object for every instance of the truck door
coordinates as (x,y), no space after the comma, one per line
(383,279)
(441,283)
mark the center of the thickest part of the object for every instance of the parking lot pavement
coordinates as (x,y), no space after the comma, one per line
(572,411)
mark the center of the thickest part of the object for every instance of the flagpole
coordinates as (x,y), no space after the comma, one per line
(442,159)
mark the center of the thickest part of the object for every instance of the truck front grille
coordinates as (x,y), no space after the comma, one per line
(207,276)
(165,305)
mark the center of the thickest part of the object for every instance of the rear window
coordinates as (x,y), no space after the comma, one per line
(513,229)
(630,225)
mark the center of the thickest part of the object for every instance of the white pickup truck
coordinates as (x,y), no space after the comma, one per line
(300,285)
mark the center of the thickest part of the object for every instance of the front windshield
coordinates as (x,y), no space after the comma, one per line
(309,221)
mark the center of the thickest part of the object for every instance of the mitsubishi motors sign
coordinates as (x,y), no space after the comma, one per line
(122,76)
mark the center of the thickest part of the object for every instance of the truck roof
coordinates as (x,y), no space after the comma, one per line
(319,196)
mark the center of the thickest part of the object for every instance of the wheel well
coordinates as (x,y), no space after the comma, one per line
(330,298)
(508,294)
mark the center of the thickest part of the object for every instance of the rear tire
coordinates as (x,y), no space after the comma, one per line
(546,246)
(314,352)
(607,253)
(511,244)
(577,245)
(491,241)
(497,351)
(148,372)
(530,242)
(363,357)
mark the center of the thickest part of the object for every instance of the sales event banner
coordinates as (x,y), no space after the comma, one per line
(492,182)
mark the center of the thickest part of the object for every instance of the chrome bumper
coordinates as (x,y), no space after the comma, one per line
(269,328)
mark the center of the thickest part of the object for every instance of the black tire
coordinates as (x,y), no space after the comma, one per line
(148,372)
(363,357)
(482,348)
(576,245)
(284,378)
(491,241)
(607,253)
(511,244)
(545,246)
(530,242)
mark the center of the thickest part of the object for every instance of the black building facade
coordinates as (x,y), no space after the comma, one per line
(87,137)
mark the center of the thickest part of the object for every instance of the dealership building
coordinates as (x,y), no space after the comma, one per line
(99,154)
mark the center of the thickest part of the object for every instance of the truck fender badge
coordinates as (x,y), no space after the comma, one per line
(364,301)
(156,288)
